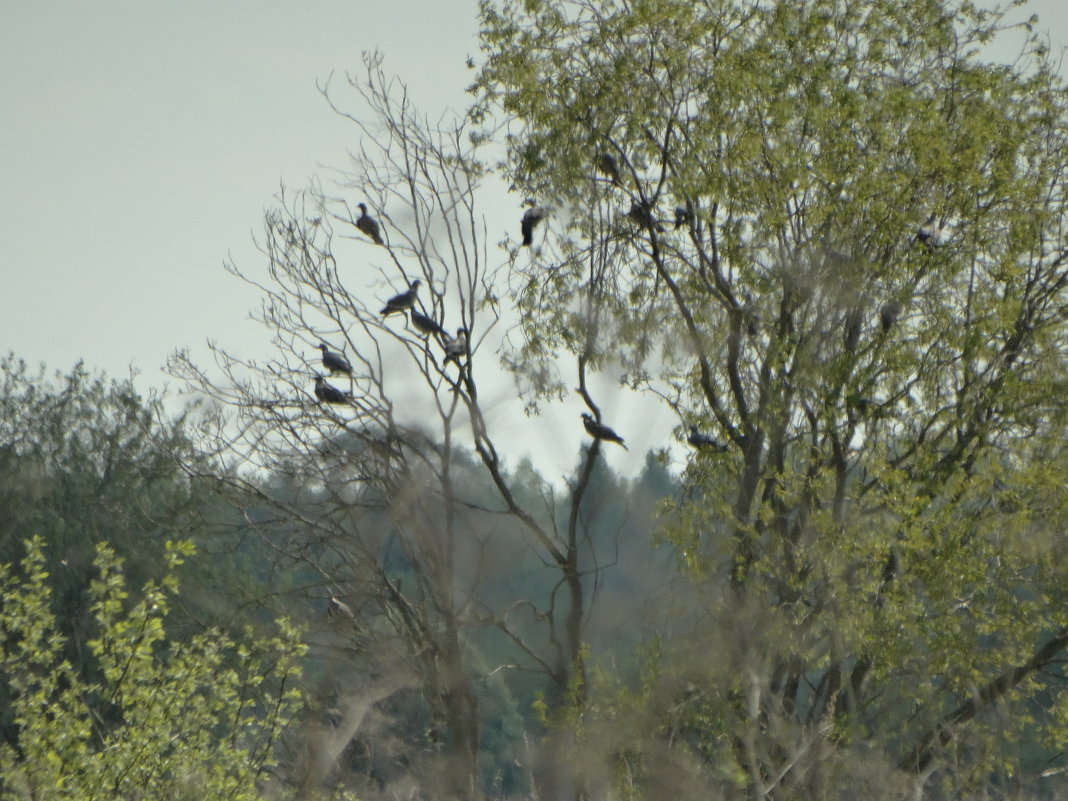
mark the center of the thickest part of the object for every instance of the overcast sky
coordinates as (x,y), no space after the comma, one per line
(141,141)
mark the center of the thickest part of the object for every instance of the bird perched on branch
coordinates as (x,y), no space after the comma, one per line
(606,163)
(699,439)
(684,215)
(852,327)
(403,301)
(888,314)
(456,348)
(327,393)
(601,431)
(425,325)
(642,214)
(368,225)
(336,608)
(531,217)
(930,233)
(334,362)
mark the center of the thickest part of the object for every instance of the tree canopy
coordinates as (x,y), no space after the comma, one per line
(832,233)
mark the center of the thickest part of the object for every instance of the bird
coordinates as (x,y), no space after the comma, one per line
(334,608)
(531,217)
(456,347)
(700,440)
(403,301)
(854,321)
(606,163)
(327,393)
(888,314)
(642,214)
(334,362)
(684,215)
(601,431)
(930,234)
(368,224)
(752,322)
(425,325)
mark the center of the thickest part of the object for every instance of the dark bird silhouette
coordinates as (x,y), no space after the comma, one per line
(888,314)
(601,431)
(700,440)
(752,322)
(684,215)
(641,214)
(403,301)
(859,402)
(860,407)
(456,347)
(607,164)
(425,325)
(930,233)
(336,608)
(854,322)
(369,225)
(531,217)
(334,362)
(327,393)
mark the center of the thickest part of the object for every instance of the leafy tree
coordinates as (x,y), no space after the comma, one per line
(166,720)
(83,461)
(830,234)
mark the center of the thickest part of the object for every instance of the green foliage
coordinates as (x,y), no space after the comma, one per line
(167,720)
(884,519)
(85,460)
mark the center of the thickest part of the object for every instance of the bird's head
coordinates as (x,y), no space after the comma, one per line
(415,285)
(323,347)
(362,207)
(587,417)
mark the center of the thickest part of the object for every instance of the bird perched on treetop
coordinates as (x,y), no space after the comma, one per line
(403,301)
(456,347)
(425,325)
(888,314)
(601,431)
(531,217)
(326,393)
(701,440)
(334,362)
(369,225)
(606,163)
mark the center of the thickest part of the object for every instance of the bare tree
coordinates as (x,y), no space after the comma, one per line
(384,479)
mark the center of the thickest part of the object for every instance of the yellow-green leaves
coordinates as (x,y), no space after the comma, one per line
(165,719)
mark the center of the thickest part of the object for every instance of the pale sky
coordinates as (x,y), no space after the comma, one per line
(140,143)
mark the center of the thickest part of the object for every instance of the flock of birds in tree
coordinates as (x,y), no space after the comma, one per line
(455,347)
